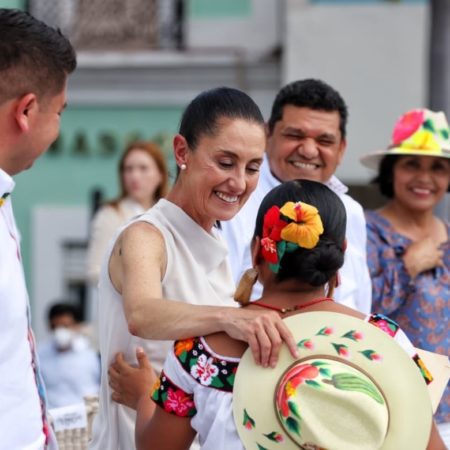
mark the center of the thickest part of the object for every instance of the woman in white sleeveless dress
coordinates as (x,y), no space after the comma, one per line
(166,276)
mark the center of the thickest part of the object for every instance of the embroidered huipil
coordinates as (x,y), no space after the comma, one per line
(22,400)
(198,383)
(421,306)
(197,272)
(355,290)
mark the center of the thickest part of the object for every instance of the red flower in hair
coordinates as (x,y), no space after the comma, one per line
(269,250)
(272,227)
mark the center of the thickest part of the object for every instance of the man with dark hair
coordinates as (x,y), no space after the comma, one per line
(35,61)
(70,367)
(306,138)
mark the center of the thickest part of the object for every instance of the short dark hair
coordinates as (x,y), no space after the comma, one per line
(203,113)
(309,93)
(385,177)
(318,265)
(63,308)
(34,57)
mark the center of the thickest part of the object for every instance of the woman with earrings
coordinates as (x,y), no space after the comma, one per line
(166,276)
(297,249)
(408,245)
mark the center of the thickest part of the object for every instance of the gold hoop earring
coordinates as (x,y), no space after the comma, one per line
(245,286)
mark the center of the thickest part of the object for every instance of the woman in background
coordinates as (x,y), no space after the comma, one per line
(143,181)
(408,245)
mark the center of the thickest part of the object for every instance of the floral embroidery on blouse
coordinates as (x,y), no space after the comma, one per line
(391,327)
(204,367)
(173,399)
(421,306)
(384,323)
(3,198)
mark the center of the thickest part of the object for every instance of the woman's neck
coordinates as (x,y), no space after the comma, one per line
(178,195)
(415,224)
(290,295)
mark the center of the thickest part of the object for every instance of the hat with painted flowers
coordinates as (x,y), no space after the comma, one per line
(417,132)
(352,388)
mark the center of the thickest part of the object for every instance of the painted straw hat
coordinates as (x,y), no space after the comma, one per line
(418,132)
(352,388)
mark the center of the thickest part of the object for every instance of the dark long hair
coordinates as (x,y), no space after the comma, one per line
(318,265)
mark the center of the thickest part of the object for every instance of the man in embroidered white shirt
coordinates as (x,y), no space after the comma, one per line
(35,61)
(306,138)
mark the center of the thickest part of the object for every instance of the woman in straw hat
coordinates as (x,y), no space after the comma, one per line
(408,245)
(352,386)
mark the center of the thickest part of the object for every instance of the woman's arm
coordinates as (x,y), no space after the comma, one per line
(137,267)
(390,279)
(435,442)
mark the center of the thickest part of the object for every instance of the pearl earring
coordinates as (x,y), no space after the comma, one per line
(183,166)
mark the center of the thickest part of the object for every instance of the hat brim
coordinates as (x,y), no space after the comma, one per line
(372,160)
(396,375)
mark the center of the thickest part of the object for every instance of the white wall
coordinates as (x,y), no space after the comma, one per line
(375,55)
(254,36)
(51,227)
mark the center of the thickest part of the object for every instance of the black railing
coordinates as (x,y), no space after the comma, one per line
(123,25)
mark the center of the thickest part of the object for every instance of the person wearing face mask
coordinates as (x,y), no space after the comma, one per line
(143,181)
(70,368)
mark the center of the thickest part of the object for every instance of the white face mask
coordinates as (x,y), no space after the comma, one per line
(63,338)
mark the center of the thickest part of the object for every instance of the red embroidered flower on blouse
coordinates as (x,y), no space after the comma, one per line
(178,402)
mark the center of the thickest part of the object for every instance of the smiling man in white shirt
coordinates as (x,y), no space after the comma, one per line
(35,61)
(306,138)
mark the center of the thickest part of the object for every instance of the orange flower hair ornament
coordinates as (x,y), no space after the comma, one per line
(287,228)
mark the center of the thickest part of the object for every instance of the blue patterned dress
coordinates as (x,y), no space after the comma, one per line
(421,306)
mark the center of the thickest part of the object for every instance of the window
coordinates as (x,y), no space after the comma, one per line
(115,24)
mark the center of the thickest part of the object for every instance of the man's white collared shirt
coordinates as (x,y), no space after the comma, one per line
(20,408)
(355,290)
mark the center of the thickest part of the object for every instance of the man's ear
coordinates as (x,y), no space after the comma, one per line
(180,150)
(267,130)
(24,109)
(341,150)
(344,245)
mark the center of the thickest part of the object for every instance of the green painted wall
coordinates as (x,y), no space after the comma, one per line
(65,177)
(20,4)
(202,9)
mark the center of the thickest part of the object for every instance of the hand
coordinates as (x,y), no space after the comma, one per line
(421,256)
(130,383)
(264,331)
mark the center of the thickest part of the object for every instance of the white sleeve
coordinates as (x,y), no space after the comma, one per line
(177,375)
(356,287)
